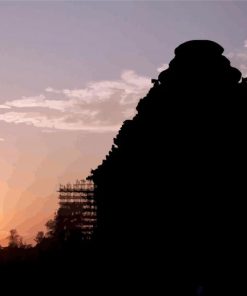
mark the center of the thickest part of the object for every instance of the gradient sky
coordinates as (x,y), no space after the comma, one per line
(71,72)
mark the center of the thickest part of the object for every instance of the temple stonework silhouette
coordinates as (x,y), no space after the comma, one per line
(170,191)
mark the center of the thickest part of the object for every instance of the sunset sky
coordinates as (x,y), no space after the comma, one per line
(71,72)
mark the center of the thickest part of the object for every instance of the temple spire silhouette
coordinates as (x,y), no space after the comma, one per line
(170,186)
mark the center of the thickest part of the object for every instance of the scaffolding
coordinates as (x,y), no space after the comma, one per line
(77,207)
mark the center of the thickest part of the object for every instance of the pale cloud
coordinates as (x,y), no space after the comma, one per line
(100,91)
(129,113)
(245,43)
(39,101)
(4,107)
(239,60)
(2,139)
(60,123)
(243,69)
(242,56)
(162,68)
(101,106)
(52,90)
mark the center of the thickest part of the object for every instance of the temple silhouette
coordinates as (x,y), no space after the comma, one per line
(170,191)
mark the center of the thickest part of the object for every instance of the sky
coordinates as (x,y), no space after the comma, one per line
(71,72)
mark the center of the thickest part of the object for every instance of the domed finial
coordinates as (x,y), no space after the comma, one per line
(199,47)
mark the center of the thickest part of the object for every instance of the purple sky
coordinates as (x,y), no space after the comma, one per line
(71,72)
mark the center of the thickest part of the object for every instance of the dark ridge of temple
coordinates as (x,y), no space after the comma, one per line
(171,186)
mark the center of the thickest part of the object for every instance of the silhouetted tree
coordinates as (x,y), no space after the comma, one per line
(15,240)
(51,227)
(39,237)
